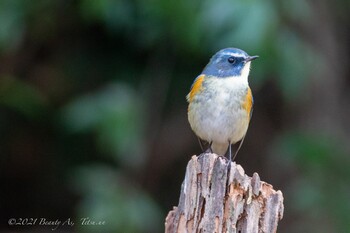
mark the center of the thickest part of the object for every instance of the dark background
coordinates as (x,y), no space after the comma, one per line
(93,116)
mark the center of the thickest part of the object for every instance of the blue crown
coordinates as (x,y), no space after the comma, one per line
(227,62)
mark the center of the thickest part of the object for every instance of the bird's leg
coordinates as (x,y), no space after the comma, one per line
(200,144)
(230,159)
(210,149)
(229,151)
(239,147)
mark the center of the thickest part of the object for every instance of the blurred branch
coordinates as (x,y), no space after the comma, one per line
(218,198)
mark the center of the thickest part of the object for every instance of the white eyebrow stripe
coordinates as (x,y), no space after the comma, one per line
(234,54)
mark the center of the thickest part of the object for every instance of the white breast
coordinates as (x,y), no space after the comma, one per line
(216,114)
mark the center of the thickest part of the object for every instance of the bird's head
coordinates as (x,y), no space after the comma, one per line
(229,62)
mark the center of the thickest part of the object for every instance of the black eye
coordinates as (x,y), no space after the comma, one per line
(231,60)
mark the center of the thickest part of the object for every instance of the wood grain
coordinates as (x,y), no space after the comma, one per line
(219,197)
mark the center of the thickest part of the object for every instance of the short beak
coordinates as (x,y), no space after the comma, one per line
(250,58)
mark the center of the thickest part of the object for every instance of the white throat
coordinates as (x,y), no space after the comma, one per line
(245,71)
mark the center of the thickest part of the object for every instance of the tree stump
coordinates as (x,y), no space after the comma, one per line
(218,198)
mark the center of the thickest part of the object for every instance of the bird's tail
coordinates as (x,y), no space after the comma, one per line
(219,149)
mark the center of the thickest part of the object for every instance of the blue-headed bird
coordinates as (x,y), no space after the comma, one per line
(221,101)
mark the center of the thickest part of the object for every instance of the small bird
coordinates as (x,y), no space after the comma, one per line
(221,101)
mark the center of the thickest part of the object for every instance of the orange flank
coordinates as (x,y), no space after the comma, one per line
(196,87)
(248,102)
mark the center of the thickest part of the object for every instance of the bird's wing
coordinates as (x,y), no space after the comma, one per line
(248,102)
(248,106)
(196,86)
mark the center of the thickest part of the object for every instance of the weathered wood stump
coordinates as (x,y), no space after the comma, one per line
(216,198)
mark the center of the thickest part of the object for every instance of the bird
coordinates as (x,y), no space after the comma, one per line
(220,101)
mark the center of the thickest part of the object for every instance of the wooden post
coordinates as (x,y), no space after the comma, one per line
(216,198)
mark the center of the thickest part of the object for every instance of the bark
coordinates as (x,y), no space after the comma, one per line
(216,197)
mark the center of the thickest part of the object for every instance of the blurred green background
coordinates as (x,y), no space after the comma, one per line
(93,116)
